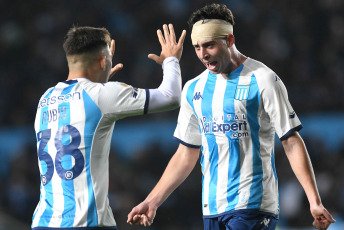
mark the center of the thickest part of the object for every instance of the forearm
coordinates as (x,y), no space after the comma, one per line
(177,170)
(302,167)
(167,95)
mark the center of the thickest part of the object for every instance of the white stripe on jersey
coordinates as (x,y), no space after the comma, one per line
(58,206)
(246,153)
(206,164)
(223,146)
(80,183)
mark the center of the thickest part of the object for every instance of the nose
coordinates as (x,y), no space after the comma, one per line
(203,53)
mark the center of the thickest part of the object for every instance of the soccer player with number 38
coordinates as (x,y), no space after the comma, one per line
(75,121)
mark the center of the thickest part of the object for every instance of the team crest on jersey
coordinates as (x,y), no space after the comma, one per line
(241,92)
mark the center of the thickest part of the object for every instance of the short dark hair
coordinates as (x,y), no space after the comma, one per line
(212,11)
(79,40)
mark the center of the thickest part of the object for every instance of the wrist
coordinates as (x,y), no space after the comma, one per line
(152,202)
(315,202)
(169,59)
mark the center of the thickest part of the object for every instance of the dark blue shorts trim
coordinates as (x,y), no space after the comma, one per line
(242,220)
(242,211)
(186,144)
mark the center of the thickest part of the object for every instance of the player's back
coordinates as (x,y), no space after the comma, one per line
(74,124)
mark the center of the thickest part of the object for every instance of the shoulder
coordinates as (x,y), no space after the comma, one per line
(265,76)
(194,80)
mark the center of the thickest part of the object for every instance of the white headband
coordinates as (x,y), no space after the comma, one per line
(210,28)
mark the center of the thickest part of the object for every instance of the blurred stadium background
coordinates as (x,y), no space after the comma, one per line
(302,41)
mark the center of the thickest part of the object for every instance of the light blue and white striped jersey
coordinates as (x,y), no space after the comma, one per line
(234,118)
(74,125)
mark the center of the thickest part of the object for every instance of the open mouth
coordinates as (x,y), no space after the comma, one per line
(211,65)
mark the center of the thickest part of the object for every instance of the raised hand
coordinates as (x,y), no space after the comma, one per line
(117,67)
(169,46)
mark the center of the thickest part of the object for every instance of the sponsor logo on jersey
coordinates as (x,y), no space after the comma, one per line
(197,96)
(241,92)
(236,124)
(59,99)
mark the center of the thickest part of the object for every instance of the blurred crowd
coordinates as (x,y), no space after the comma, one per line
(131,179)
(302,41)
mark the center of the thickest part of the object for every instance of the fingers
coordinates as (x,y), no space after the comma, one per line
(166,33)
(322,222)
(182,38)
(172,34)
(161,37)
(329,217)
(154,57)
(144,221)
(115,69)
(132,217)
(169,35)
(140,220)
(112,47)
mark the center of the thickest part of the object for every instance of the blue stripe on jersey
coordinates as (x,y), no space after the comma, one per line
(275,173)
(273,163)
(92,117)
(207,111)
(234,145)
(48,212)
(190,95)
(252,106)
(67,185)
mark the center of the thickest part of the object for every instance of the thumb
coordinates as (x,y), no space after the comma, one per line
(329,217)
(155,58)
(115,69)
(132,214)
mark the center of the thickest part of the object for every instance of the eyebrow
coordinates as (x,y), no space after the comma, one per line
(206,44)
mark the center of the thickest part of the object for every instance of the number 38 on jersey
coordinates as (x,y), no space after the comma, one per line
(67,140)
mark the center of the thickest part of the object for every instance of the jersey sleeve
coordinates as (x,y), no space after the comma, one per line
(279,109)
(121,100)
(187,131)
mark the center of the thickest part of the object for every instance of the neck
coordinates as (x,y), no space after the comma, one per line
(236,59)
(84,70)
(82,74)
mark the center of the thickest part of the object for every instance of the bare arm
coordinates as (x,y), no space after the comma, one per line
(302,167)
(177,170)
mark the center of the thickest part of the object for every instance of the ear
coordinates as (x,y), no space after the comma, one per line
(230,40)
(102,61)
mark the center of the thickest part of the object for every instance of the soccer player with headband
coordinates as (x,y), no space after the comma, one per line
(231,112)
